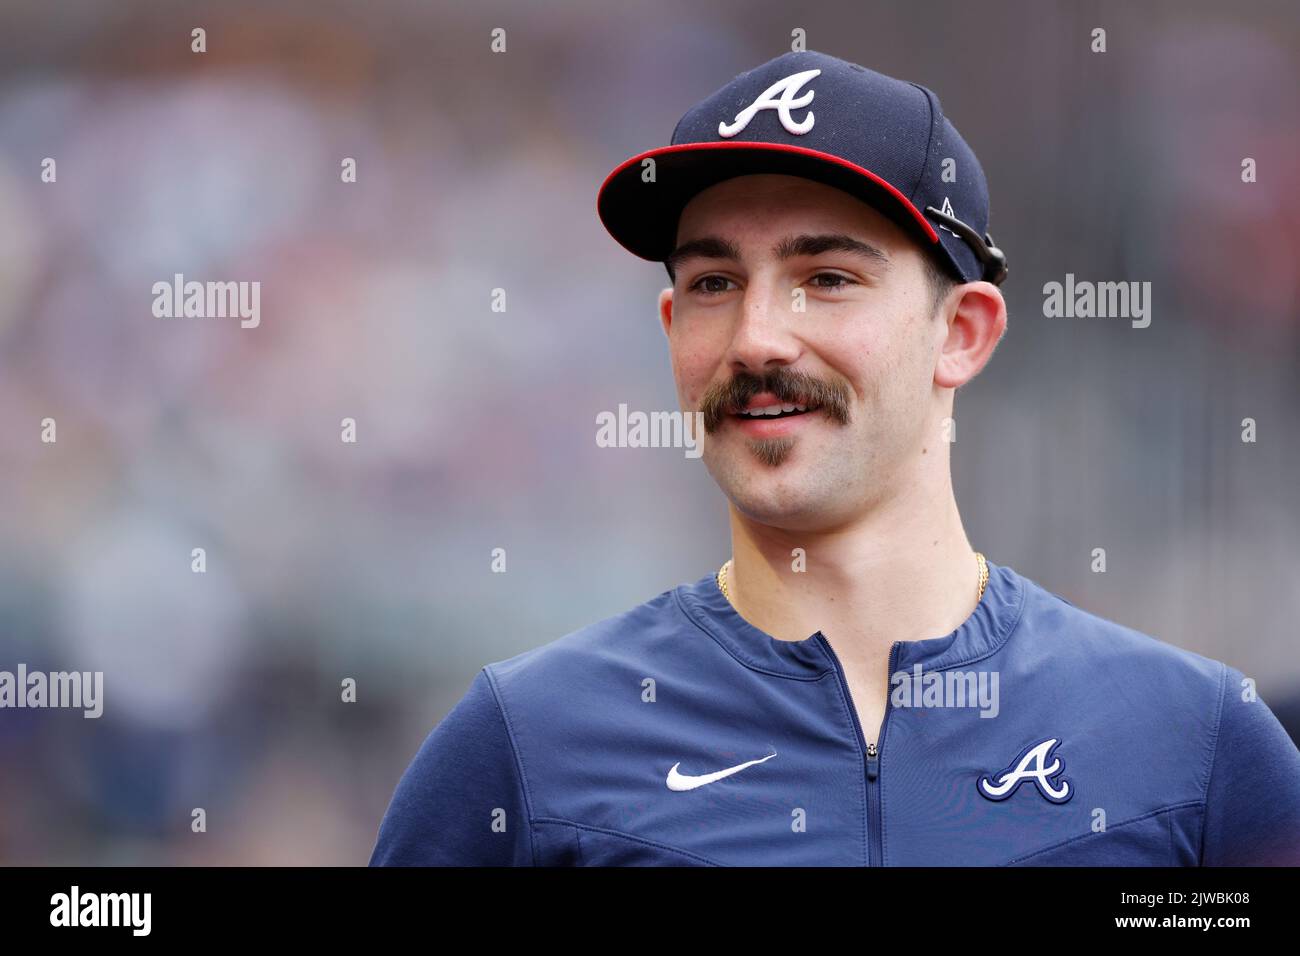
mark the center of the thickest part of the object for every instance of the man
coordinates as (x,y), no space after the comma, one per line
(855,685)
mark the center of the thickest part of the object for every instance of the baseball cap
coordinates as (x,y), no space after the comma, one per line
(883,140)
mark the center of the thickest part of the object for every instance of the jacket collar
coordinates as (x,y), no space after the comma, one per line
(987,629)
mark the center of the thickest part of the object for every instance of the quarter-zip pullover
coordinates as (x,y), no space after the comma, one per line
(677,733)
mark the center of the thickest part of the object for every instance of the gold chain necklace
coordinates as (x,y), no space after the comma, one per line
(984,577)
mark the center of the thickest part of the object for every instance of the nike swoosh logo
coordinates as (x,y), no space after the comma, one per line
(681,781)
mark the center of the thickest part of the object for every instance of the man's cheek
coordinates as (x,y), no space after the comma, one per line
(694,382)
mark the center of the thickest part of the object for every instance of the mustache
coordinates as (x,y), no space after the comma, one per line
(789,387)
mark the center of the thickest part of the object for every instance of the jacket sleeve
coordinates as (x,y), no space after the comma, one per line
(1252,808)
(460,802)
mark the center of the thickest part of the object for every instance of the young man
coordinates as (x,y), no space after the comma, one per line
(856,685)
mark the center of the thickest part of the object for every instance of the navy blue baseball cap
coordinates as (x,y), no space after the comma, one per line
(882,140)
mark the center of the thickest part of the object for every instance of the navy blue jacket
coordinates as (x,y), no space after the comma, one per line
(677,733)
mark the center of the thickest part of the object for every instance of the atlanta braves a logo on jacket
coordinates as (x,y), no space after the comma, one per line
(1031,764)
(780,96)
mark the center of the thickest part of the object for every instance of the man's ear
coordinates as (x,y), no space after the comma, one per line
(976,326)
(666,308)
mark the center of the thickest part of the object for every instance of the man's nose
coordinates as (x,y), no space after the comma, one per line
(764,333)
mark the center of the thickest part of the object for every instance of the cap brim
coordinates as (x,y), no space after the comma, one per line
(642,216)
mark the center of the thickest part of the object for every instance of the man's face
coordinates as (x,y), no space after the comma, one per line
(860,356)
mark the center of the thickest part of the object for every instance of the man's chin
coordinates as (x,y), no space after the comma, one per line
(779,494)
(755,462)
(788,509)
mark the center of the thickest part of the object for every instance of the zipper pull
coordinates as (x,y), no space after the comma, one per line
(873,761)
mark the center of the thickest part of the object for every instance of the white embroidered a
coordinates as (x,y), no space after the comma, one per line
(783,104)
(1032,764)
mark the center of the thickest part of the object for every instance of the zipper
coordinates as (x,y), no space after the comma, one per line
(872,749)
(873,766)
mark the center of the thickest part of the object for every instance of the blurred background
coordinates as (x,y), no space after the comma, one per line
(476,428)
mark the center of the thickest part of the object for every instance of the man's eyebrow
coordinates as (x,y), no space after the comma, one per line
(706,247)
(807,245)
(715,247)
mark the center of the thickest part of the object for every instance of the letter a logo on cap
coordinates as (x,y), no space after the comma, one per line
(947,211)
(768,100)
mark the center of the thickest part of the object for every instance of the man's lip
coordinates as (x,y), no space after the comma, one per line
(766,400)
(766,426)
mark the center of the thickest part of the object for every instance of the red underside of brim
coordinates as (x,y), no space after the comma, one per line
(629,222)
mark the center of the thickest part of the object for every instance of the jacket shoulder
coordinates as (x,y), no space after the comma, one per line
(1081,638)
(583,654)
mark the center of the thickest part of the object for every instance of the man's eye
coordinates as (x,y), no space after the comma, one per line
(839,281)
(699,284)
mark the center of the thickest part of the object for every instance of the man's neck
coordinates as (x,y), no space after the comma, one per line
(902,572)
